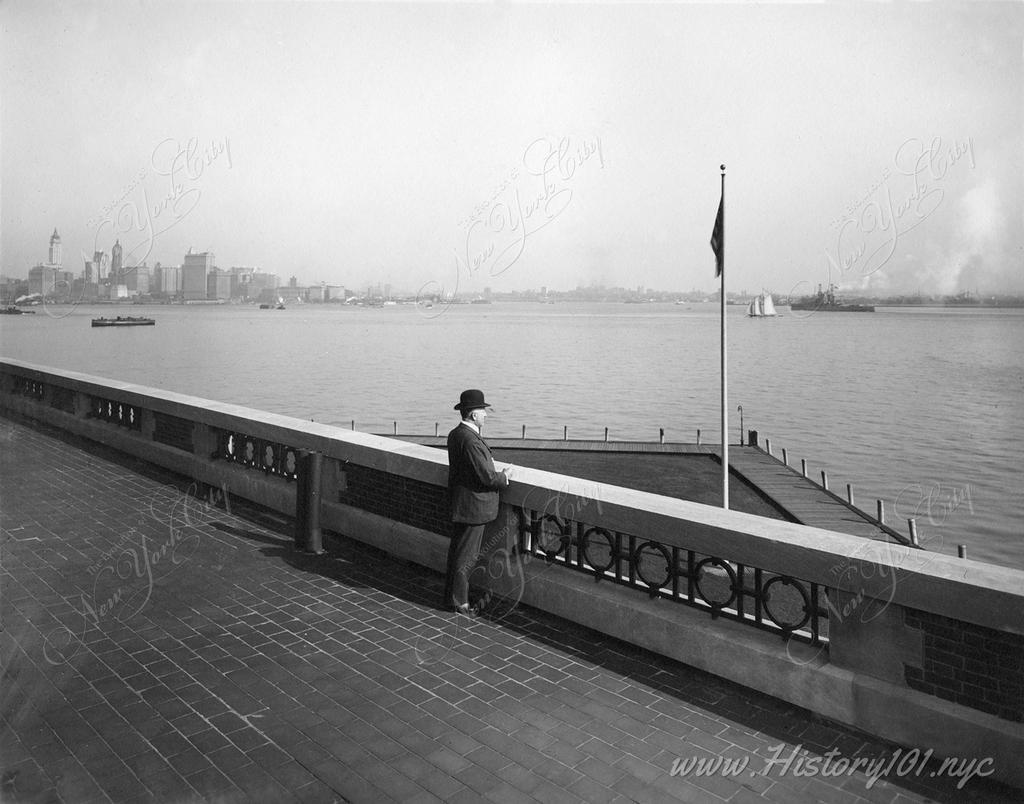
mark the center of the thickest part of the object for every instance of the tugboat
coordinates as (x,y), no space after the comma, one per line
(123,321)
(827,302)
(12,310)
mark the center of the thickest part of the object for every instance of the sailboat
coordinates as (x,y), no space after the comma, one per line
(762,306)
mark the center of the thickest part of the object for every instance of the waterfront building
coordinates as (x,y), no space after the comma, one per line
(241,282)
(42,279)
(101,264)
(261,282)
(218,284)
(12,288)
(138,280)
(167,280)
(194,272)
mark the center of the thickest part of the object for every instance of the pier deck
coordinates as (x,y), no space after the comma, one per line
(671,469)
(156,648)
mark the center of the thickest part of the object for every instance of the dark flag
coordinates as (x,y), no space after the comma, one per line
(718,237)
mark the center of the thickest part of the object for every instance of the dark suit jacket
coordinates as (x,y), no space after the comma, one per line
(473,482)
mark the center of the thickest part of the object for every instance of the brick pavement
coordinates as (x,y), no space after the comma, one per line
(156,648)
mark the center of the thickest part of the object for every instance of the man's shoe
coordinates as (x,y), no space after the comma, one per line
(467,610)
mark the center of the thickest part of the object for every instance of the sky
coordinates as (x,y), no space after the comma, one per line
(438,147)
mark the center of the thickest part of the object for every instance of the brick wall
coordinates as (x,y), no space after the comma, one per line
(969,664)
(413,502)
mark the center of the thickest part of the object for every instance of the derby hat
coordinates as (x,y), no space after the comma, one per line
(471,400)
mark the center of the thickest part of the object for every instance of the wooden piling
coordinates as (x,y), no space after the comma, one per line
(824,480)
(961,550)
(912,525)
(849,493)
(881,512)
(785,456)
(803,467)
(768,446)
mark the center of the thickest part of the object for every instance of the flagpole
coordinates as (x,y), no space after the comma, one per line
(725,400)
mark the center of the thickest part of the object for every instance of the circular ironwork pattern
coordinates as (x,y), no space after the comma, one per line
(698,572)
(785,580)
(638,563)
(268,456)
(611,549)
(250,451)
(289,462)
(545,543)
(231,445)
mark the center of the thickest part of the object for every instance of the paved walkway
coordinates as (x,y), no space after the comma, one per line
(155,648)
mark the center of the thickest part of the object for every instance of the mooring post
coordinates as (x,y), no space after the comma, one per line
(785,456)
(698,436)
(849,493)
(396,428)
(961,550)
(881,512)
(605,433)
(768,446)
(661,435)
(565,432)
(353,424)
(436,425)
(308,535)
(524,431)
(803,467)
(912,525)
(824,480)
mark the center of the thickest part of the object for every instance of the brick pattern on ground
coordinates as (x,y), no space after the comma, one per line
(155,648)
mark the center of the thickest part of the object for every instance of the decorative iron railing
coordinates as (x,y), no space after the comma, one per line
(25,386)
(120,413)
(269,457)
(779,603)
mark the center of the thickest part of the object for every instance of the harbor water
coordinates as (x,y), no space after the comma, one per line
(920,407)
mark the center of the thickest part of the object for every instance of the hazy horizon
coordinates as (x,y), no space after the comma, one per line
(452,147)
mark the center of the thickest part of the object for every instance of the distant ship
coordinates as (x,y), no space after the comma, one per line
(123,321)
(827,302)
(762,307)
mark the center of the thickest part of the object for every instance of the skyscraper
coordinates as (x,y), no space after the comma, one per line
(56,258)
(116,268)
(193,275)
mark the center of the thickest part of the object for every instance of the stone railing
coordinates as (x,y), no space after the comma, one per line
(916,647)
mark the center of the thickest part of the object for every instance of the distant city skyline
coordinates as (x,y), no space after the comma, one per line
(449,147)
